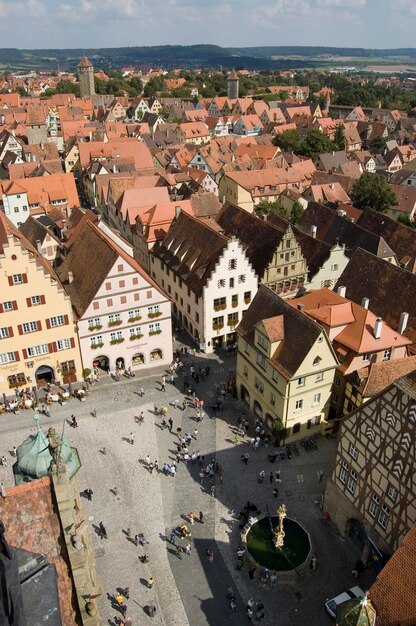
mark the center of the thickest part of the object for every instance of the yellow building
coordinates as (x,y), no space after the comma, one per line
(37,335)
(285,366)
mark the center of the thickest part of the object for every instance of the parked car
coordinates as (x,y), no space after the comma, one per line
(332,605)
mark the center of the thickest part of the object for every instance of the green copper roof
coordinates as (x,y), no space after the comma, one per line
(356,612)
(34,456)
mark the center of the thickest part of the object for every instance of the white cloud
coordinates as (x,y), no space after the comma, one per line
(342,3)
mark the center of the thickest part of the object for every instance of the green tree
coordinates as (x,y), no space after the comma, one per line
(315,143)
(405,219)
(289,140)
(265,208)
(279,431)
(378,143)
(372,191)
(339,138)
(296,212)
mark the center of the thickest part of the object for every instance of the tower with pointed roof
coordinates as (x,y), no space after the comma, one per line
(233,83)
(86,78)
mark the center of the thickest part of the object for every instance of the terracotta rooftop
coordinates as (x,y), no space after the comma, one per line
(32,524)
(332,310)
(394,592)
(84,62)
(377,376)
(367,276)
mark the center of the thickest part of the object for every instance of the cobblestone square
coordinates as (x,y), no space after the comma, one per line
(129,499)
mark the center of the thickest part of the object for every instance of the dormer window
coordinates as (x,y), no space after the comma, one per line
(262,341)
(317,360)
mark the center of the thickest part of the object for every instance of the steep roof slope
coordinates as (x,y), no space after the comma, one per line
(290,352)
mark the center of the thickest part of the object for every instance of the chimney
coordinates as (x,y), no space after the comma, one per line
(39,248)
(404,318)
(332,185)
(341,291)
(114,169)
(378,327)
(365,302)
(300,306)
(223,198)
(90,135)
(314,230)
(70,277)
(177,211)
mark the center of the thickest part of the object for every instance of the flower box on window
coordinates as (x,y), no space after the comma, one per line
(217,326)
(96,345)
(98,327)
(113,342)
(247,300)
(155,332)
(133,337)
(220,307)
(232,322)
(115,323)
(134,319)
(157,314)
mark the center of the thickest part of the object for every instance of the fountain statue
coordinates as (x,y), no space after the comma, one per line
(279,533)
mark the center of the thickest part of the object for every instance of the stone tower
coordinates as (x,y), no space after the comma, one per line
(86,78)
(232,86)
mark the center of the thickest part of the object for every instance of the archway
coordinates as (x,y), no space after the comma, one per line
(102,362)
(244,395)
(137,359)
(257,410)
(120,364)
(44,375)
(356,532)
(269,419)
(156,355)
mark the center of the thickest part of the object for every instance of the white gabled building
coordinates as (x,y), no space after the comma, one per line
(209,278)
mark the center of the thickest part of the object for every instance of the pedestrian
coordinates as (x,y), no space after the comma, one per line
(201,517)
(128,532)
(278,476)
(162,386)
(170,422)
(201,476)
(119,599)
(213,490)
(14,451)
(172,537)
(150,583)
(151,466)
(103,532)
(271,477)
(184,405)
(191,517)
(141,392)
(178,551)
(321,476)
(313,562)
(264,577)
(115,491)
(188,549)
(136,539)
(275,492)
(89,492)
(147,460)
(156,466)
(126,592)
(251,573)
(210,555)
(131,438)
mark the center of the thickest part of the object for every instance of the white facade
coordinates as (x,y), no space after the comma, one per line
(331,270)
(212,318)
(128,322)
(16,207)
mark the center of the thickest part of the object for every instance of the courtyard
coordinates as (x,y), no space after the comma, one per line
(130,500)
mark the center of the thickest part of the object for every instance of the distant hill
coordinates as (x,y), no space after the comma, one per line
(203,55)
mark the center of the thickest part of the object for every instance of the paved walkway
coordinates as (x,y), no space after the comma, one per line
(189,590)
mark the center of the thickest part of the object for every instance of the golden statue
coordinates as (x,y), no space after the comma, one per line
(279,533)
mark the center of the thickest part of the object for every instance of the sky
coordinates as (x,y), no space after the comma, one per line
(110,23)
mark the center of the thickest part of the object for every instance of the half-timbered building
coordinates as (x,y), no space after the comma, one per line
(371,494)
